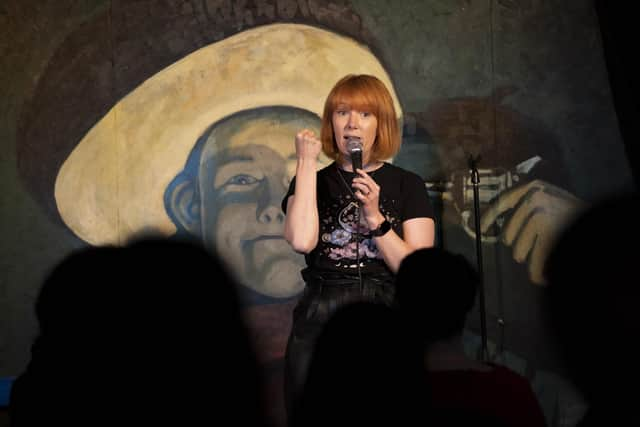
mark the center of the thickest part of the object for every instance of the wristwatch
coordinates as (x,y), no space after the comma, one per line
(382,229)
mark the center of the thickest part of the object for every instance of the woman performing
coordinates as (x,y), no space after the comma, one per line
(353,227)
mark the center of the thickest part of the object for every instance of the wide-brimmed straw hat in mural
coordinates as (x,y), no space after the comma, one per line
(111,186)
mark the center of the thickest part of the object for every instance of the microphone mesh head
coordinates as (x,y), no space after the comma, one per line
(354,144)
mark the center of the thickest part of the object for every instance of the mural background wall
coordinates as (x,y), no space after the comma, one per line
(521,83)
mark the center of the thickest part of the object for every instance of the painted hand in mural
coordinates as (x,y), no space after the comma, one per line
(308,147)
(538,211)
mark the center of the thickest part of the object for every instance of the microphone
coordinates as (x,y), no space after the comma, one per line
(354,146)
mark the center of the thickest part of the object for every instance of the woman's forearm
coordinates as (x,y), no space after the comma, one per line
(418,232)
(301,225)
(393,249)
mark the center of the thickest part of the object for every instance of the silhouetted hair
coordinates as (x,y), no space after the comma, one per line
(592,297)
(363,93)
(151,331)
(435,290)
(362,372)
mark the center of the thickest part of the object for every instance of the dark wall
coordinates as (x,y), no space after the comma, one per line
(619,34)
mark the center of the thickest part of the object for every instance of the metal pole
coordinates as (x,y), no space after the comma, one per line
(475,180)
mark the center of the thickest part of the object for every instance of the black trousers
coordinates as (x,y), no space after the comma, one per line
(323,295)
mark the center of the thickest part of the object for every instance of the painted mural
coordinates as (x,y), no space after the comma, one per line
(178,118)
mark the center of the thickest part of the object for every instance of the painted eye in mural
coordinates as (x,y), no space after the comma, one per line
(241,180)
(240,183)
(240,176)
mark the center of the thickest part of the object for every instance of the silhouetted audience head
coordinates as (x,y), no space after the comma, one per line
(151,332)
(592,272)
(362,372)
(435,290)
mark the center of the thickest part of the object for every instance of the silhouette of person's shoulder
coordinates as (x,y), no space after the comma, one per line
(591,272)
(133,325)
(498,393)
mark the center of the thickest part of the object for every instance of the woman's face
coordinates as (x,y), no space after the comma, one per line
(351,123)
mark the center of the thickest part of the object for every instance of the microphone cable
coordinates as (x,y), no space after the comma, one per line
(358,246)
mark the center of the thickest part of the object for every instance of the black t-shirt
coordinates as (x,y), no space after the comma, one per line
(403,196)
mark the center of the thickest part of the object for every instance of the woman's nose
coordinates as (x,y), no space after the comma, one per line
(353,121)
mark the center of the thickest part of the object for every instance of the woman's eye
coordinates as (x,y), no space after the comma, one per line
(242,180)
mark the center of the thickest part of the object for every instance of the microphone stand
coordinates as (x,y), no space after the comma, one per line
(475,180)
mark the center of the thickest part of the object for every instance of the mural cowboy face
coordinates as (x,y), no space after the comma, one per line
(230,191)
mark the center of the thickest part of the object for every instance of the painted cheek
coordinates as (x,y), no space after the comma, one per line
(222,213)
(229,224)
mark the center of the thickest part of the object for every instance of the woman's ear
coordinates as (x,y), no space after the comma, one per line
(182,203)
